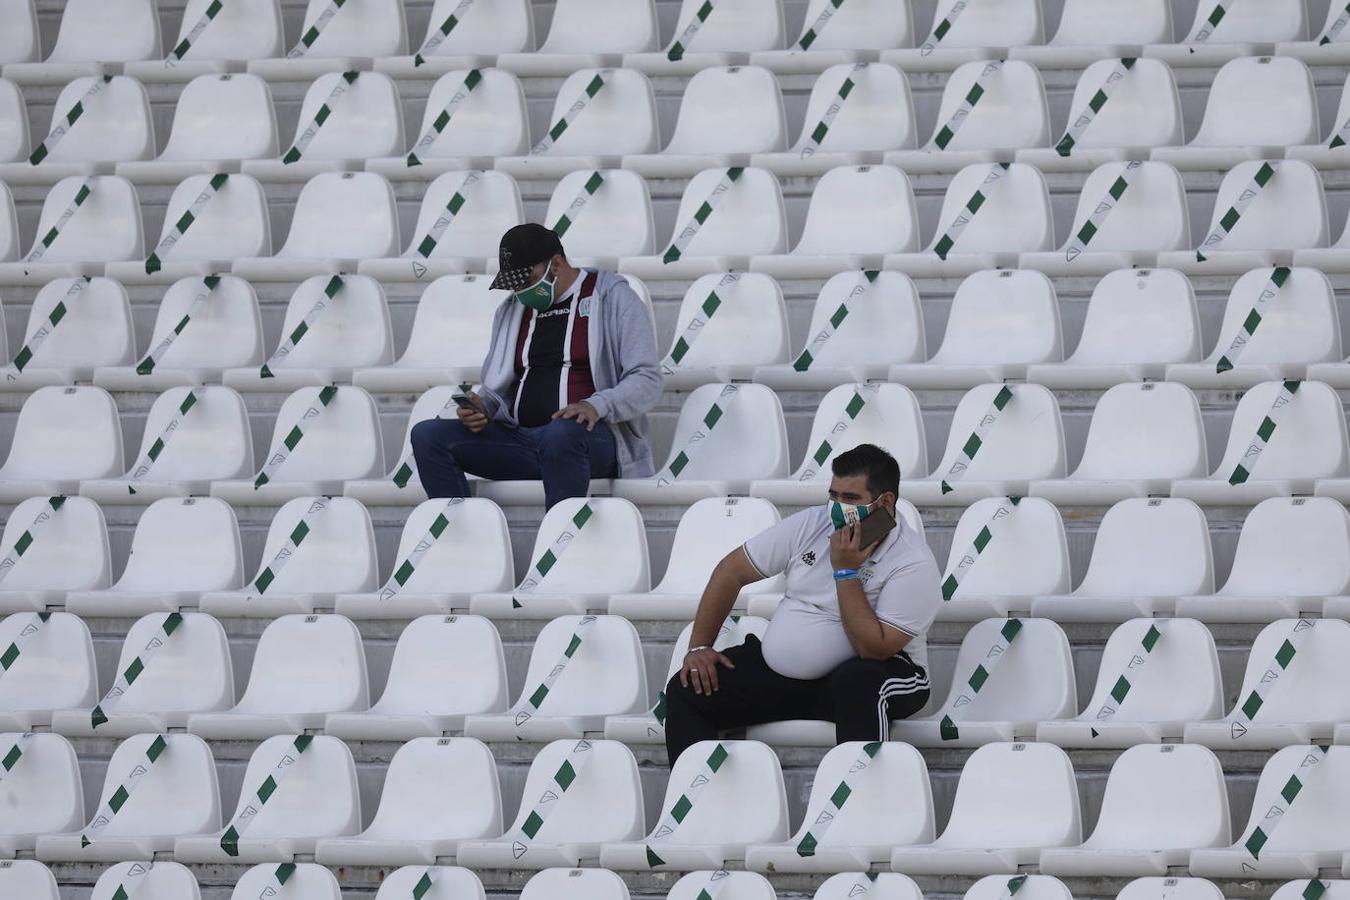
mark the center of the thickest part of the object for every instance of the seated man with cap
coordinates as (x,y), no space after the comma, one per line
(570,375)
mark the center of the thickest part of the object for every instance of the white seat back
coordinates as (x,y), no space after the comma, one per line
(616,220)
(308,881)
(321,796)
(1292,547)
(709,530)
(1179,681)
(366,121)
(491,206)
(740,26)
(1002,315)
(884,322)
(890,419)
(604,803)
(226,330)
(879,114)
(1036,887)
(735,629)
(575,884)
(233,224)
(1011,113)
(307,663)
(1151,215)
(860,209)
(1110,22)
(1301,324)
(95,329)
(1163,797)
(737,109)
(749,219)
(1310,441)
(167,880)
(106,227)
(1151,547)
(250,29)
(630,27)
(223,117)
(1260,101)
(1140,316)
(178,795)
(69,553)
(65,433)
(473,553)
(114,126)
(185,544)
(1289,213)
(605,675)
(192,671)
(338,552)
(42,794)
(1123,437)
(489,121)
(1300,694)
(1014,795)
(1027,555)
(344,215)
(449,883)
(1000,23)
(881,886)
(353,330)
(1014,216)
(729,886)
(113,31)
(1262,23)
(748,327)
(748,441)
(1027,441)
(9,226)
(20,41)
(504,26)
(619,119)
(55,669)
(1317,822)
(744,802)
(434,652)
(343,443)
(1034,681)
(866,25)
(453,324)
(213,441)
(1145,109)
(29,879)
(446,787)
(365,28)
(1334,889)
(890,804)
(606,555)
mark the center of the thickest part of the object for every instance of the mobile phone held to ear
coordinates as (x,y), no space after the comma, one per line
(876,526)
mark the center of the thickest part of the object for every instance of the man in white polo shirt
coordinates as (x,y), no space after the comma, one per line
(847,643)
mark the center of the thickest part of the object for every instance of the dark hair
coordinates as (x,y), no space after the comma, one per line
(880,468)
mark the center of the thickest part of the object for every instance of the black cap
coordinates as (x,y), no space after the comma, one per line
(522,248)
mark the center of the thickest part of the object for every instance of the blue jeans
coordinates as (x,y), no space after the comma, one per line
(563,454)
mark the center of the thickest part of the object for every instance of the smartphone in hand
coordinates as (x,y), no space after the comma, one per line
(875,527)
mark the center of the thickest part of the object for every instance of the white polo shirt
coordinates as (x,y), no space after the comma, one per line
(806,637)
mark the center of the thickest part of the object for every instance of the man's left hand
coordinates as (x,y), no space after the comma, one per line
(846,551)
(582,411)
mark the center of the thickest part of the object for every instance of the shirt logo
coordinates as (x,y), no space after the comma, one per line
(584,308)
(809,557)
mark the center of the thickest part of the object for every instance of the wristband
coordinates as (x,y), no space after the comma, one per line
(845,574)
(696,649)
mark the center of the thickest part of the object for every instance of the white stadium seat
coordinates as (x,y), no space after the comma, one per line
(352,329)
(313,552)
(739,801)
(186,671)
(1030,887)
(582,669)
(478,33)
(1276,448)
(1123,456)
(475,208)
(94,32)
(728,325)
(447,883)
(182,453)
(219,118)
(1001,321)
(105,227)
(1010,115)
(21,41)
(1138,321)
(1161,802)
(305,667)
(14,140)
(859,215)
(853,35)
(1292,553)
(41,794)
(1024,555)
(1147,552)
(370,28)
(867,822)
(1013,800)
(1283,699)
(574,884)
(238,32)
(740,28)
(93,328)
(585,550)
(1180,888)
(1090,30)
(1010,674)
(879,322)
(470,553)
(437,792)
(1312,833)
(1156,675)
(1148,214)
(341,442)
(114,125)
(1243,29)
(174,793)
(444,668)
(233,223)
(1332,889)
(714,419)
(601,800)
(618,119)
(614,221)
(9,227)
(1326,152)
(224,331)
(340,217)
(879,885)
(304,881)
(28,878)
(1257,107)
(450,335)
(64,550)
(310,783)
(1025,443)
(728,885)
(986,31)
(886,415)
(876,116)
(1299,325)
(163,880)
(63,436)
(401,485)
(726,115)
(573,41)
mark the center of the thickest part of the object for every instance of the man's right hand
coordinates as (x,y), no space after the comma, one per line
(700,670)
(472,419)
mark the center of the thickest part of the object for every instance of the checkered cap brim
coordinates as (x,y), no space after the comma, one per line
(512,279)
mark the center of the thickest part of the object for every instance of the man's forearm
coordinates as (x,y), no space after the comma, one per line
(865,631)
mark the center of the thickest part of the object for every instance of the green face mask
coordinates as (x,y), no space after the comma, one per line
(540,295)
(842,514)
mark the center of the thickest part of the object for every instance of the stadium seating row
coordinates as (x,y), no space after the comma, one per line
(128,31)
(477,118)
(1016,805)
(586,676)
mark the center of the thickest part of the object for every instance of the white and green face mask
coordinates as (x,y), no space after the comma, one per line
(540,295)
(842,514)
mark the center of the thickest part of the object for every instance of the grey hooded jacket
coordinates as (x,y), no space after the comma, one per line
(624,367)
